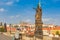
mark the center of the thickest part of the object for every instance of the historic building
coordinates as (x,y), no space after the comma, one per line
(38,22)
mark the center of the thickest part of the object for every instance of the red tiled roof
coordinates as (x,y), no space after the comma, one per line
(12,29)
(50,28)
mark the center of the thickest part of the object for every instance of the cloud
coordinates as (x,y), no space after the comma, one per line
(2,10)
(28,20)
(11,17)
(15,16)
(55,0)
(46,19)
(54,21)
(17,0)
(6,3)
(1,3)
(9,3)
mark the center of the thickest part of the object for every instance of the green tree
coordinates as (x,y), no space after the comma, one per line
(16,26)
(1,29)
(57,32)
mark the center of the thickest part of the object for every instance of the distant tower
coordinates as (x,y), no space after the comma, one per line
(1,24)
(38,22)
(5,27)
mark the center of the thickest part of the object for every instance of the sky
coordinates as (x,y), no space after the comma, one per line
(16,11)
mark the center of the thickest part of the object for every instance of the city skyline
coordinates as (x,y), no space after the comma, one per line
(15,11)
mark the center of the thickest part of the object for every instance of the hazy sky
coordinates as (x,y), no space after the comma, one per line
(15,11)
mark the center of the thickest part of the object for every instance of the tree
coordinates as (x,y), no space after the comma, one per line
(1,29)
(16,26)
(57,32)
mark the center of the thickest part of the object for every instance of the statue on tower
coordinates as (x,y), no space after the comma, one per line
(38,22)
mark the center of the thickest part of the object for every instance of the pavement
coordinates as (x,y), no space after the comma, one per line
(24,37)
(8,36)
(35,38)
(4,37)
(29,38)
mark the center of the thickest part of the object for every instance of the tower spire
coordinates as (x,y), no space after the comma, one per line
(39,4)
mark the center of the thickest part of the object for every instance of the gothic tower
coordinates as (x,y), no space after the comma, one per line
(38,21)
